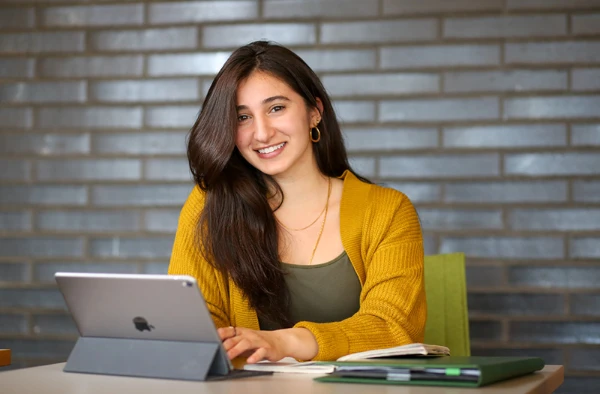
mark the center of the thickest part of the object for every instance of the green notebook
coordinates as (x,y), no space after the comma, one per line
(439,371)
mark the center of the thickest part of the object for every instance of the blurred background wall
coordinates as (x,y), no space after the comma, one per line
(485,113)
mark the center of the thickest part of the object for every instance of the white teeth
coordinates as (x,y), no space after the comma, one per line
(271,148)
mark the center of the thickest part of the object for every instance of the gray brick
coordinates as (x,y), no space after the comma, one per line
(429,244)
(186,63)
(484,276)
(579,384)
(167,169)
(584,248)
(586,191)
(378,31)
(236,35)
(202,11)
(505,81)
(506,192)
(97,15)
(15,170)
(460,219)
(380,84)
(586,23)
(42,42)
(516,304)
(485,330)
(505,136)
(121,247)
(31,298)
(145,91)
(497,247)
(171,116)
(430,110)
(15,221)
(43,92)
(552,52)
(418,192)
(439,56)
(552,107)
(364,166)
(14,272)
(555,332)
(54,324)
(41,247)
(398,7)
(442,166)
(550,4)
(354,111)
(146,195)
(44,272)
(156,268)
(45,144)
(552,164)
(320,8)
(148,143)
(555,277)
(161,220)
(389,139)
(43,195)
(88,169)
(90,117)
(585,79)
(585,304)
(88,221)
(585,359)
(581,219)
(53,349)
(94,66)
(17,68)
(338,59)
(506,26)
(17,17)
(13,323)
(15,117)
(550,356)
(145,40)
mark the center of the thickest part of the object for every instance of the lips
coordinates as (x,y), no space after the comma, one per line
(271,149)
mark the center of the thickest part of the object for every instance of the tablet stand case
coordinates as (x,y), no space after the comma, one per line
(147,358)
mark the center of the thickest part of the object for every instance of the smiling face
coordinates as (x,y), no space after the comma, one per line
(273,126)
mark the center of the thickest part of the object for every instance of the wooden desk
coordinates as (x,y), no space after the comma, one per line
(4,357)
(50,379)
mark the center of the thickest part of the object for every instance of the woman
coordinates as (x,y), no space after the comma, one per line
(295,254)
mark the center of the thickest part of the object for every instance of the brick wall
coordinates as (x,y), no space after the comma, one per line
(486,113)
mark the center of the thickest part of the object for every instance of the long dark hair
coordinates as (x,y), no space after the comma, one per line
(237,232)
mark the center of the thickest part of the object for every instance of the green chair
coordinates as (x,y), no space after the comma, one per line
(447,314)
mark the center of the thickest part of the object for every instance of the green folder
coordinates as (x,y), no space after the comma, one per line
(491,369)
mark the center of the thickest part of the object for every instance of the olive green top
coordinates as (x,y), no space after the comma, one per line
(322,293)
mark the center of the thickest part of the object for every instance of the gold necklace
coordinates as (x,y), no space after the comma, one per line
(322,224)
(314,221)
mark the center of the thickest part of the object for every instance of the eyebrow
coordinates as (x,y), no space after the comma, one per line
(265,101)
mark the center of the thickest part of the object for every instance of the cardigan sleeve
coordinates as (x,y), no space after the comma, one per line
(393,306)
(186,259)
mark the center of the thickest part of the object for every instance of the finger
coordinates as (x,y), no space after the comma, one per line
(257,356)
(231,342)
(240,348)
(226,332)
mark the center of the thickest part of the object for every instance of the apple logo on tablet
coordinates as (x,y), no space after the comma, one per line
(141,324)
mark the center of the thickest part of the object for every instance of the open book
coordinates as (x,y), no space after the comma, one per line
(290,365)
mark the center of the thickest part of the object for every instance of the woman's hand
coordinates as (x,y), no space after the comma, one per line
(298,343)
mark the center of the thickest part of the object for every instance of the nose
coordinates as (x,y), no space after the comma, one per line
(263,131)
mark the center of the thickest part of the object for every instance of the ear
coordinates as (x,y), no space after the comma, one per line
(317,112)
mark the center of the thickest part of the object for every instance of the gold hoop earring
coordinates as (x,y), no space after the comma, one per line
(318,135)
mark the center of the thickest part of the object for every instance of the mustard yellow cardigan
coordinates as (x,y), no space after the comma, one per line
(381,234)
